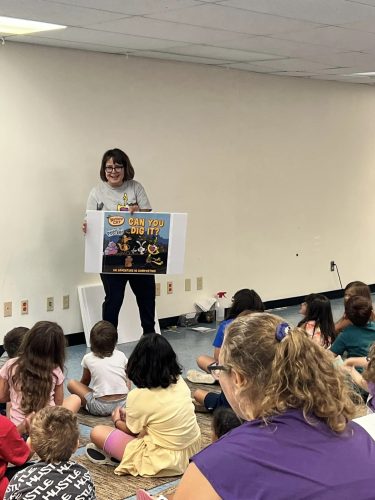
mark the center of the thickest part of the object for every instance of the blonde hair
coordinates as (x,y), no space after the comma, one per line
(293,373)
(54,434)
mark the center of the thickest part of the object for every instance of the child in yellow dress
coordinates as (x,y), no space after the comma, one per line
(157,432)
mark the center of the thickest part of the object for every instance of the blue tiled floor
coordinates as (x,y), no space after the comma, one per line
(187,343)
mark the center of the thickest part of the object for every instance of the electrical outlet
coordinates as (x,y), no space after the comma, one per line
(169,287)
(332,265)
(50,304)
(24,306)
(187,285)
(66,302)
(157,289)
(7,309)
(200,283)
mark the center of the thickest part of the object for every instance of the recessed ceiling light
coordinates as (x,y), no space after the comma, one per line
(14,26)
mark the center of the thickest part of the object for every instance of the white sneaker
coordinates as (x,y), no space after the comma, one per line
(198,377)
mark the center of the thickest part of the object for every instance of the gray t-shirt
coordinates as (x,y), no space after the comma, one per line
(61,481)
(105,197)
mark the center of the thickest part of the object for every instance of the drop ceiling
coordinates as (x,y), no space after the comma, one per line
(318,39)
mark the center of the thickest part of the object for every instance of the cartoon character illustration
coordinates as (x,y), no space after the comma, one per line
(124,207)
(153,249)
(123,244)
(156,261)
(111,248)
(141,249)
(128,261)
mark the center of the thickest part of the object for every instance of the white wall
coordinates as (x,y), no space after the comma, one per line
(267,168)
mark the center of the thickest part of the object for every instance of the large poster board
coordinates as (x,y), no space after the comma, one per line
(142,242)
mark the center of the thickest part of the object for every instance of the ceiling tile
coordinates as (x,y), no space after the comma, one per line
(167,30)
(70,45)
(175,57)
(98,38)
(39,10)
(363,2)
(331,36)
(291,65)
(237,20)
(318,11)
(276,46)
(221,53)
(131,7)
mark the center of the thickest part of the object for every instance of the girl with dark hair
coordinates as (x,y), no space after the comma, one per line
(35,378)
(118,191)
(242,300)
(157,432)
(298,440)
(318,320)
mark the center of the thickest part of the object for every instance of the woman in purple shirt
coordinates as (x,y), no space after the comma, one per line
(298,441)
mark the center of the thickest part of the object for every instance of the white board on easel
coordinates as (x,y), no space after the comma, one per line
(129,328)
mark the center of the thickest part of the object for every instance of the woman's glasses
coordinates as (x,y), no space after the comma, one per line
(215,370)
(116,168)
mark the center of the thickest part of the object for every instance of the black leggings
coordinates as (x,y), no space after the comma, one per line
(144,291)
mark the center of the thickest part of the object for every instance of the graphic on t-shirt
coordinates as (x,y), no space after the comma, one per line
(123,207)
(64,480)
(135,243)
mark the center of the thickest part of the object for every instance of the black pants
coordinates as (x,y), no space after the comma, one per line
(144,291)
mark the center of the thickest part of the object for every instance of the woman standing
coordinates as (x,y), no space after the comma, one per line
(119,191)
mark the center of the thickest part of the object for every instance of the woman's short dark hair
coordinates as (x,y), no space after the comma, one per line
(103,339)
(245,299)
(118,156)
(153,363)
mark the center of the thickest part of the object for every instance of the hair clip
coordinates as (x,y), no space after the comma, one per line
(282,330)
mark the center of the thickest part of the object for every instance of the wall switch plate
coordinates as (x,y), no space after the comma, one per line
(24,306)
(66,302)
(200,283)
(169,287)
(7,309)
(157,289)
(187,285)
(50,304)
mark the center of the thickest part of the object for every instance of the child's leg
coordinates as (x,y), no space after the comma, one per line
(72,403)
(203,361)
(75,387)
(199,395)
(112,441)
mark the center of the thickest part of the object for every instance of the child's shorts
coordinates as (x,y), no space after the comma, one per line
(215,400)
(101,407)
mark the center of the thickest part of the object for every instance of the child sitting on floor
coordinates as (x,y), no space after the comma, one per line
(353,288)
(34,379)
(243,300)
(318,321)
(54,437)
(12,344)
(356,339)
(366,380)
(104,367)
(13,449)
(158,433)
